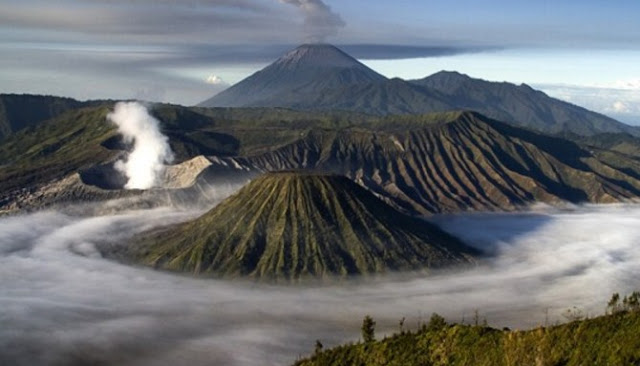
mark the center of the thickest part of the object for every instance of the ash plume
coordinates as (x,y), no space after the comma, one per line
(320,21)
(150,147)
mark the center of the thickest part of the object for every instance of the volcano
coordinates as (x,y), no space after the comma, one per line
(321,77)
(295,225)
(310,69)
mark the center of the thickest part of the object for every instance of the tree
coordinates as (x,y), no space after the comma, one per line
(319,346)
(614,303)
(368,329)
(634,301)
(573,314)
(436,322)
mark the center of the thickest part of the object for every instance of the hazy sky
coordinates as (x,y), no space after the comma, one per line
(184,51)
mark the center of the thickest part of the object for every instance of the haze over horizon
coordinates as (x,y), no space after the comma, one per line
(587,52)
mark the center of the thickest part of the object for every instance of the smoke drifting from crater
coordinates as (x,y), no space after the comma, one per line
(150,147)
(320,21)
(62,304)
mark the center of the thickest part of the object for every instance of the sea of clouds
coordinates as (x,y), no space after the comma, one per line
(61,303)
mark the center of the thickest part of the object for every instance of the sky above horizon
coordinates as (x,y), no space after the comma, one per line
(586,52)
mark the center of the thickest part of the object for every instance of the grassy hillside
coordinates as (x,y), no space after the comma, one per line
(53,149)
(19,111)
(610,340)
(249,131)
(292,225)
(623,143)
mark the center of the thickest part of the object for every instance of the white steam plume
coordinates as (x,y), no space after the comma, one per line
(320,21)
(150,147)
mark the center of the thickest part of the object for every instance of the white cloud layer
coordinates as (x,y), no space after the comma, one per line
(632,84)
(61,303)
(620,100)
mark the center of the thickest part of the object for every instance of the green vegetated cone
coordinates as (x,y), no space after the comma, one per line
(293,225)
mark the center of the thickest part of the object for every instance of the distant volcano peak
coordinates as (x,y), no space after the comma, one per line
(318,55)
(302,73)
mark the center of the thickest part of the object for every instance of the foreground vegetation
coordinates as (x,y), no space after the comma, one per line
(611,339)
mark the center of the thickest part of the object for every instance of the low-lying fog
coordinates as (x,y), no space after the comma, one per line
(62,304)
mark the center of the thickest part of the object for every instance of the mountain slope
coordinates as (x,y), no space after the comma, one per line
(387,97)
(460,162)
(321,77)
(520,105)
(66,144)
(307,70)
(291,225)
(19,111)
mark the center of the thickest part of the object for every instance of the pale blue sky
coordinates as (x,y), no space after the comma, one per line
(585,51)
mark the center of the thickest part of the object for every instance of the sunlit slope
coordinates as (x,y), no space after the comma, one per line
(53,149)
(291,225)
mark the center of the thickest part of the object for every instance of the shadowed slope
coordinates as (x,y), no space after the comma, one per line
(291,225)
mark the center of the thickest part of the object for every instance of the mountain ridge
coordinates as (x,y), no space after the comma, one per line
(521,105)
(421,164)
(304,82)
(20,111)
(467,162)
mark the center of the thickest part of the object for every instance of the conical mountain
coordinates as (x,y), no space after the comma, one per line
(307,70)
(292,225)
(321,77)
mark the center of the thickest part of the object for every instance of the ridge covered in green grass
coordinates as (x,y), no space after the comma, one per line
(610,340)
